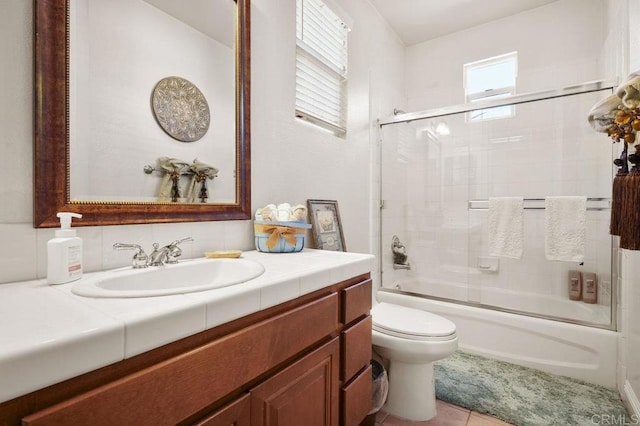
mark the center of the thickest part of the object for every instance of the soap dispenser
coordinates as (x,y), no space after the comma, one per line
(64,252)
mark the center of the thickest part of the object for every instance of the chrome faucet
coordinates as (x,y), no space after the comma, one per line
(167,254)
(158,257)
(140,258)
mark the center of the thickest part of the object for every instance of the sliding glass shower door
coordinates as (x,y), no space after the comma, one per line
(437,175)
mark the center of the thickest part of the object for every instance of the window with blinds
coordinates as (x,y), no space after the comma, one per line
(491,78)
(321,66)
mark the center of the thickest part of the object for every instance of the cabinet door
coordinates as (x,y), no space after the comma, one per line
(236,413)
(305,393)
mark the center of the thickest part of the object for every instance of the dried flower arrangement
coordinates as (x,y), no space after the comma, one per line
(619,117)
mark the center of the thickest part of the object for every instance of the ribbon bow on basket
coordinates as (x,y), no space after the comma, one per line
(276,231)
(280,237)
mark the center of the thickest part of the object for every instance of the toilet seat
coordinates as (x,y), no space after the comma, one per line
(410,323)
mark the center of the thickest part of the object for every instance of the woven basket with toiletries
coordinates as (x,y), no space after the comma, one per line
(279,237)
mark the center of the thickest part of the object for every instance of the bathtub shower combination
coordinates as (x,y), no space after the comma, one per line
(438,170)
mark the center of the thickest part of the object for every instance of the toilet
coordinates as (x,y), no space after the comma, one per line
(411,340)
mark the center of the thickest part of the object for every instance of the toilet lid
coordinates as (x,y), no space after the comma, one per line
(400,320)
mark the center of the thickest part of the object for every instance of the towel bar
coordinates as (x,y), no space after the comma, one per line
(593,203)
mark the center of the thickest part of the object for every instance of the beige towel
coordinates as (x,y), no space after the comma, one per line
(200,171)
(506,225)
(169,166)
(565,228)
(603,113)
(629,91)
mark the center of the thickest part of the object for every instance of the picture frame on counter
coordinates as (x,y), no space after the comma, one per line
(326,226)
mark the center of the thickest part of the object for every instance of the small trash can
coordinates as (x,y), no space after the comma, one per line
(380,387)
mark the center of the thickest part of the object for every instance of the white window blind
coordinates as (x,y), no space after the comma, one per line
(491,78)
(321,66)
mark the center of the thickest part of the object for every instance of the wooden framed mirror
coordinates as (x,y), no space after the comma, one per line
(52,135)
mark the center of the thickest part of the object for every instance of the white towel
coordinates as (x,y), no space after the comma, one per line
(565,228)
(506,226)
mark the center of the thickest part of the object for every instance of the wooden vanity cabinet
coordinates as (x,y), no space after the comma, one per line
(304,362)
(355,367)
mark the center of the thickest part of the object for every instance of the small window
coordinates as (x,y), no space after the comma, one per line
(321,66)
(491,78)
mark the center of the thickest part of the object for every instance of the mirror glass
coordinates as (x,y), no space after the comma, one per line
(119,51)
(142,111)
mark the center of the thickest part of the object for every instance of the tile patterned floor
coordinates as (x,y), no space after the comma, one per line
(448,415)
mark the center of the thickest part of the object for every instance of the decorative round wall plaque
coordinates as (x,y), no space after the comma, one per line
(180,109)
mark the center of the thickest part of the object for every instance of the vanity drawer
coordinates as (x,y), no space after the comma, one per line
(356,301)
(171,391)
(356,348)
(356,399)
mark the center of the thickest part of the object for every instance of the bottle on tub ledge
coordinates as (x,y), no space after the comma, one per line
(575,285)
(64,252)
(590,287)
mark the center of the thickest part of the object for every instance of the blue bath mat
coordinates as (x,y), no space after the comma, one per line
(524,396)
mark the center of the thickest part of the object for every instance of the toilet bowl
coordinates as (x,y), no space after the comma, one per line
(411,340)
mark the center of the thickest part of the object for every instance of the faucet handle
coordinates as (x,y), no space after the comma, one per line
(140,258)
(174,251)
(184,240)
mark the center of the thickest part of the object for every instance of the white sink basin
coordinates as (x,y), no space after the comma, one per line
(188,276)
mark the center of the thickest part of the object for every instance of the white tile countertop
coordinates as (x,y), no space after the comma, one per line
(48,334)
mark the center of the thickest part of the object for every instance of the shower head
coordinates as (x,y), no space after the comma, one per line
(397,111)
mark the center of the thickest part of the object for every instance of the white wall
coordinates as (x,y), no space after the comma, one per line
(290,161)
(558,44)
(629,298)
(299,161)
